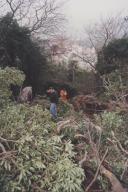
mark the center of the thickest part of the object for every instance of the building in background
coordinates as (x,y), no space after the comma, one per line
(63,51)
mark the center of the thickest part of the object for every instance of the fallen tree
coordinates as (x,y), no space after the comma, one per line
(90,135)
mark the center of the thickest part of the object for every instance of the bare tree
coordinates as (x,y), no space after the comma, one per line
(89,59)
(39,15)
(101,33)
(98,35)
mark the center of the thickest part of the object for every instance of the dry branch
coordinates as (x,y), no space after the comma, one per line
(41,15)
(83,160)
(119,144)
(62,124)
(97,172)
(80,136)
(2,147)
(6,140)
(116,185)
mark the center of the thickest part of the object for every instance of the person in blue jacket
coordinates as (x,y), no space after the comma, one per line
(53,96)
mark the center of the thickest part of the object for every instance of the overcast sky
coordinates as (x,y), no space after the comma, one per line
(83,12)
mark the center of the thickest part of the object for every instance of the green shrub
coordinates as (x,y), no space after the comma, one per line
(31,146)
(8,77)
(111,120)
(64,108)
(66,176)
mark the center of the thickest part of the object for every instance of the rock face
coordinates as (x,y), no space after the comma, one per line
(89,104)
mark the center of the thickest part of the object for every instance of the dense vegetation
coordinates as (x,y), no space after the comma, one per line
(112,65)
(82,152)
(37,154)
(33,157)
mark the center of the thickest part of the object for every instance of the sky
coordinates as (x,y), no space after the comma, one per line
(81,13)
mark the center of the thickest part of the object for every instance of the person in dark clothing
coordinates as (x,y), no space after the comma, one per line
(53,96)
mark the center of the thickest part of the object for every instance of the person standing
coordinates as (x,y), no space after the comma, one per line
(63,95)
(53,96)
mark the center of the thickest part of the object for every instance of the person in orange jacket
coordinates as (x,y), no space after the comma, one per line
(63,95)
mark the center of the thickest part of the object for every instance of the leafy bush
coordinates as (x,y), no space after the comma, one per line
(29,149)
(114,134)
(65,176)
(111,120)
(115,85)
(9,76)
(64,108)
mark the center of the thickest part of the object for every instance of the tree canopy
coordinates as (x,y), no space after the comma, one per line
(17,49)
(113,56)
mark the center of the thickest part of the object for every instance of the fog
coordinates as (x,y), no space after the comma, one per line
(81,13)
